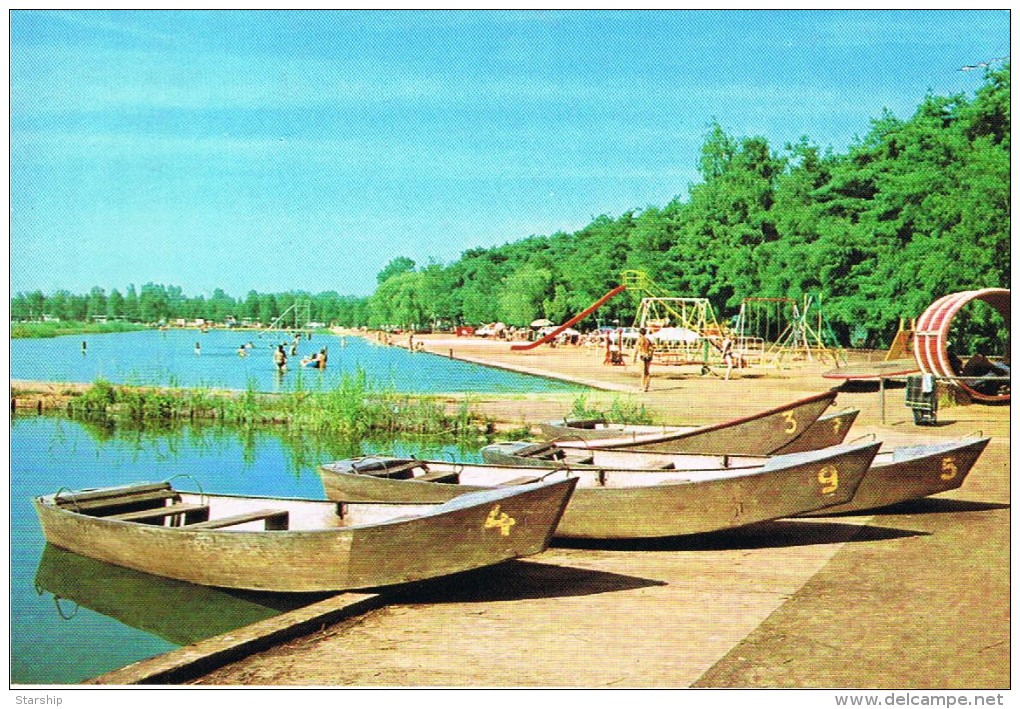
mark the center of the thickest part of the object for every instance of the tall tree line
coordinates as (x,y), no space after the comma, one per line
(914,210)
(156,302)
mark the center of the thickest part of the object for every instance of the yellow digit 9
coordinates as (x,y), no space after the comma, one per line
(828,478)
(791,422)
(948,469)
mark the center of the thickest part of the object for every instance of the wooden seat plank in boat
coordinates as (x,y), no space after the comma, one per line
(276,520)
(380,469)
(192,514)
(440,477)
(523,480)
(106,492)
(129,502)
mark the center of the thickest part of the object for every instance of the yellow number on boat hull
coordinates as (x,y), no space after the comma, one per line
(501,520)
(828,478)
(949,469)
(791,422)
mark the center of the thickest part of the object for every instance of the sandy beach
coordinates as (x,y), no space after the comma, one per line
(913,596)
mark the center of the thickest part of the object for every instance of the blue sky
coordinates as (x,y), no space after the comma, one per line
(304,150)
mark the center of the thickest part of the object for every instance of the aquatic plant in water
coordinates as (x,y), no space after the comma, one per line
(354,407)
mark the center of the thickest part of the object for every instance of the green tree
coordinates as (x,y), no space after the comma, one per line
(395,267)
(115,304)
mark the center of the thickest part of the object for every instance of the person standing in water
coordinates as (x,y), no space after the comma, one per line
(280,359)
(84,348)
(198,348)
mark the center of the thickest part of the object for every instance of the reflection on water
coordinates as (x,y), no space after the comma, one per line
(180,613)
(119,616)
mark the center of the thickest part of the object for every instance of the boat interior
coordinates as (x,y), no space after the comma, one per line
(484,475)
(159,504)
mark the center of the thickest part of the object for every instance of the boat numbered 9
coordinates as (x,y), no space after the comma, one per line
(828,478)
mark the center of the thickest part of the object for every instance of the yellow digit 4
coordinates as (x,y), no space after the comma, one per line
(828,478)
(791,422)
(501,520)
(948,469)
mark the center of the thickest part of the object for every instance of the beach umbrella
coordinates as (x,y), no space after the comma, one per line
(675,334)
(543,322)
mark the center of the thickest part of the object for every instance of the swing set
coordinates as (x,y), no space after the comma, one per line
(774,331)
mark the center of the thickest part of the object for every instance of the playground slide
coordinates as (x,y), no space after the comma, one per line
(583,314)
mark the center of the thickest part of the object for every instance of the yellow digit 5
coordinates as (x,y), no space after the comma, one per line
(828,478)
(791,422)
(948,469)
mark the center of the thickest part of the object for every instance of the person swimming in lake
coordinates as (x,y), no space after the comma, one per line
(242,351)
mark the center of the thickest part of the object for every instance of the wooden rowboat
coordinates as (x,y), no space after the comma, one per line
(763,433)
(897,475)
(826,431)
(614,503)
(912,472)
(299,545)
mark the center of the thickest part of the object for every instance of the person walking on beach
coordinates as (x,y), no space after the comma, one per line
(644,349)
(727,356)
(280,359)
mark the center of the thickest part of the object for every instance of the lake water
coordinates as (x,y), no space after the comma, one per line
(73,618)
(167,358)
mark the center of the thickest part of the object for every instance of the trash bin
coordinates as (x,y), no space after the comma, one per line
(922,399)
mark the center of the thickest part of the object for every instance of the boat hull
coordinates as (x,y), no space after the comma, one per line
(607,504)
(915,472)
(760,434)
(452,538)
(828,430)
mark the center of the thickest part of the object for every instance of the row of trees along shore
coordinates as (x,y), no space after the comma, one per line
(915,209)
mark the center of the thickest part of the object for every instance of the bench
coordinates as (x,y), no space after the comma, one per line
(276,520)
(68,498)
(536,450)
(192,514)
(379,469)
(105,506)
(524,480)
(440,476)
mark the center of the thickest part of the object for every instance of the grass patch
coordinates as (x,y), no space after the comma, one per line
(355,407)
(620,411)
(70,327)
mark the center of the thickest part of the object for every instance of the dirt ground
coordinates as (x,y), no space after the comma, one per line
(915,596)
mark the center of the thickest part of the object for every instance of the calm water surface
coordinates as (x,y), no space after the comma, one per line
(73,618)
(168,358)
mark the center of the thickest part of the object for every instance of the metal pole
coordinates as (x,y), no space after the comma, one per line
(881,389)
